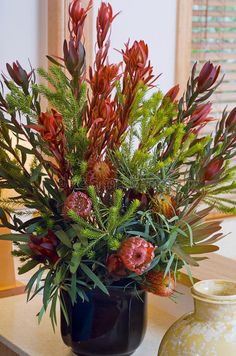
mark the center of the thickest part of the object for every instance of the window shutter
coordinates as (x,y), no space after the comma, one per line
(214,38)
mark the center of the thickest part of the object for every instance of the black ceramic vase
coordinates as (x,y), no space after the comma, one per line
(111,325)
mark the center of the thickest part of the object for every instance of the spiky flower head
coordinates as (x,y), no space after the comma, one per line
(136,254)
(78,202)
(164,204)
(101,174)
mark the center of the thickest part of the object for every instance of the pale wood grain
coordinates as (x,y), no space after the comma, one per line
(183,42)
(216,267)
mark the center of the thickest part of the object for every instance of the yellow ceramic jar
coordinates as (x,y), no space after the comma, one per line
(211,329)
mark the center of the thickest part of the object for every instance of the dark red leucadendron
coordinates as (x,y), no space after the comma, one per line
(77,19)
(18,75)
(172,94)
(212,170)
(44,248)
(231,119)
(200,117)
(207,77)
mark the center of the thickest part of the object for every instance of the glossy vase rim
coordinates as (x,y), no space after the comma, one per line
(217,291)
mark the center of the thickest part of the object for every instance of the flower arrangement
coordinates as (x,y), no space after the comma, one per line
(115,171)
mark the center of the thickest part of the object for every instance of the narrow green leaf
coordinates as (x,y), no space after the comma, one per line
(47,289)
(28,266)
(198,249)
(94,278)
(63,237)
(32,280)
(169,264)
(15,237)
(41,314)
(63,309)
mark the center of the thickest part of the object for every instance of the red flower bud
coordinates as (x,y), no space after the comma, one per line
(207,76)
(157,284)
(136,254)
(74,57)
(172,93)
(78,15)
(137,55)
(138,66)
(212,169)
(200,116)
(231,119)
(19,75)
(115,265)
(132,194)
(104,20)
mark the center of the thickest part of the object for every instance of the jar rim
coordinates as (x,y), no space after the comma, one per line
(215,291)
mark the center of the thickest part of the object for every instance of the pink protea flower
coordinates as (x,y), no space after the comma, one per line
(79,203)
(156,283)
(136,254)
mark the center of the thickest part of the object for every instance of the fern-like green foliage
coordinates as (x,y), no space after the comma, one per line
(62,97)
(71,107)
(18,101)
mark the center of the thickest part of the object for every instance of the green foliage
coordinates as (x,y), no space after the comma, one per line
(62,98)
(159,158)
(18,101)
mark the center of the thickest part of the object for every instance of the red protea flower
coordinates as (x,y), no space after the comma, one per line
(207,76)
(136,254)
(172,93)
(213,169)
(45,247)
(101,174)
(156,283)
(115,265)
(164,204)
(78,202)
